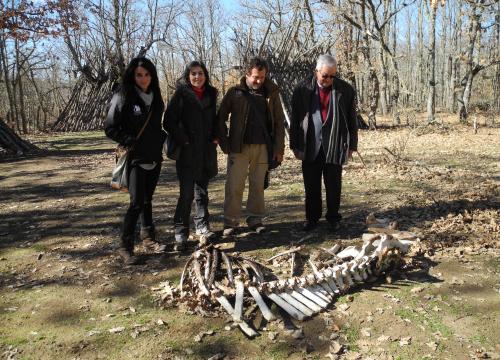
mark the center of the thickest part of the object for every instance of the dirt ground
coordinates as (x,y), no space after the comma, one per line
(64,293)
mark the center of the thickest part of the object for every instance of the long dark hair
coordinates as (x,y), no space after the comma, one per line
(128,81)
(184,79)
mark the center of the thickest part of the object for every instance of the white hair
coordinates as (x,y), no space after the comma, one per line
(326,60)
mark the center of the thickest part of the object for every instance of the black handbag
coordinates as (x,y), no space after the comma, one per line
(171,148)
(119,176)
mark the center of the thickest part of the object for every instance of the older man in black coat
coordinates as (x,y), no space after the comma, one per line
(323,134)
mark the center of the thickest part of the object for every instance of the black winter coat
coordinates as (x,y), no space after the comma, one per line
(192,124)
(301,116)
(125,119)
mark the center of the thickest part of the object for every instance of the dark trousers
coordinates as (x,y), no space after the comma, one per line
(142,185)
(190,189)
(332,178)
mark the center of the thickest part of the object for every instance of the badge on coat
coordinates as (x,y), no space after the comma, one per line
(137,110)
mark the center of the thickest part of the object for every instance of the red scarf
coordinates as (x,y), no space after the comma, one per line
(324,100)
(198,91)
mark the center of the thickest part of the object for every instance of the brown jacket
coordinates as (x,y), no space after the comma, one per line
(235,102)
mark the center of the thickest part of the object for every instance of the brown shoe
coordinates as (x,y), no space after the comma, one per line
(148,237)
(128,256)
(153,245)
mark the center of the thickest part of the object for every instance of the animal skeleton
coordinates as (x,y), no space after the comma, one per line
(212,276)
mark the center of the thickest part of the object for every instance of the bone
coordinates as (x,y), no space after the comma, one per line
(225,304)
(297,304)
(229,267)
(313,267)
(304,300)
(366,249)
(292,265)
(330,277)
(349,251)
(327,288)
(337,275)
(388,242)
(251,333)
(347,275)
(243,325)
(241,265)
(332,284)
(355,273)
(199,277)
(183,276)
(313,296)
(256,269)
(320,291)
(293,312)
(238,305)
(207,264)
(332,251)
(213,269)
(266,312)
(292,250)
(321,281)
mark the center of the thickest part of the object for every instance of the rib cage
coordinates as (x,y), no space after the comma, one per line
(212,277)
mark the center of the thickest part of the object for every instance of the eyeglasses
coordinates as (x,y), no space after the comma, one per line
(327,76)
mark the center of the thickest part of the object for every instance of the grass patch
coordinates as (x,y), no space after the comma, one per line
(277,351)
(480,339)
(429,320)
(352,336)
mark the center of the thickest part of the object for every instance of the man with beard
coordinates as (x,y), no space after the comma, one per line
(254,139)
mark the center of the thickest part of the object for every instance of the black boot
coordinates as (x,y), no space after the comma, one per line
(148,238)
(126,250)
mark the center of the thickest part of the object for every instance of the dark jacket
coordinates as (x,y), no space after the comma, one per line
(236,103)
(124,121)
(192,124)
(301,117)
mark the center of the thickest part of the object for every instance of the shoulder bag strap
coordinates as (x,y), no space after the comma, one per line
(144,126)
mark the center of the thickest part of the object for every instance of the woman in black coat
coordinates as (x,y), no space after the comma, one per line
(138,99)
(190,120)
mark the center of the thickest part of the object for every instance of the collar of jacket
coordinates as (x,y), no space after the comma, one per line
(186,90)
(269,85)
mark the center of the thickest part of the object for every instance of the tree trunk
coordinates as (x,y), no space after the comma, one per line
(431,99)
(383,83)
(373,83)
(496,79)
(469,70)
(12,113)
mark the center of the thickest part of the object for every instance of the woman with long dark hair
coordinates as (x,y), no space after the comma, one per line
(138,103)
(190,120)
